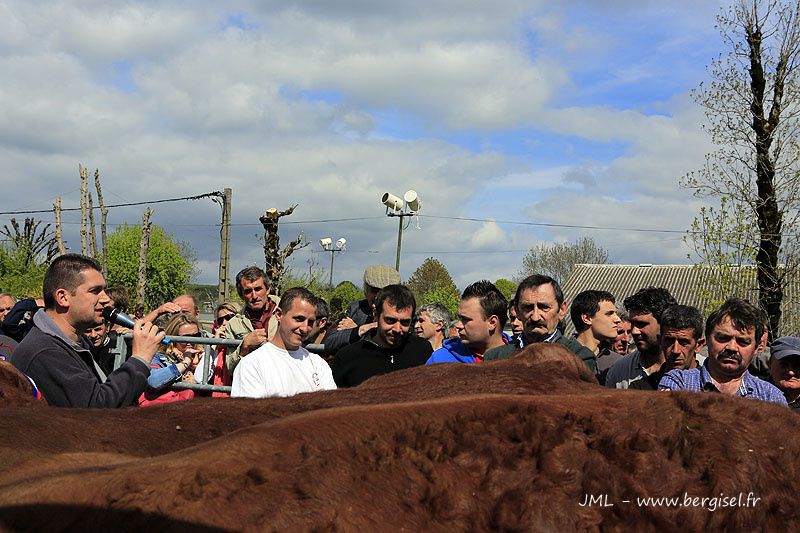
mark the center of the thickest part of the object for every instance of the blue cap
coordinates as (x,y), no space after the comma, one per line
(785,347)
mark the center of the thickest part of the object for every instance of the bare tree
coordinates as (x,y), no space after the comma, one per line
(92,233)
(274,257)
(557,259)
(59,239)
(144,245)
(37,244)
(752,106)
(103,219)
(84,177)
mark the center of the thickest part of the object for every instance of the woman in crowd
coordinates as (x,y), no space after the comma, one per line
(222,314)
(176,363)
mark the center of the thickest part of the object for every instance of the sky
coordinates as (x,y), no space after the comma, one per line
(510,119)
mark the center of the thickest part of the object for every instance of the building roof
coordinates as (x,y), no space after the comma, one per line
(689,284)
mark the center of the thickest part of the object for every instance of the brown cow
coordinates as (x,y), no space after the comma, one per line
(518,444)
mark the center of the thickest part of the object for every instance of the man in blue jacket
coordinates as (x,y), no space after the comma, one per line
(482,316)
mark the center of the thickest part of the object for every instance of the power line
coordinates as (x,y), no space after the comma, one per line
(197,197)
(554,225)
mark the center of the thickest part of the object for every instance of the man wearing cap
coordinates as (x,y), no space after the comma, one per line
(784,367)
(255,324)
(733,335)
(359,318)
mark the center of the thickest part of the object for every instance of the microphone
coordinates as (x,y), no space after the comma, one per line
(121,319)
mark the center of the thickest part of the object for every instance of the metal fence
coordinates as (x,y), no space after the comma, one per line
(121,350)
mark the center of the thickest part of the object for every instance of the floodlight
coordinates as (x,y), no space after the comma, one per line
(392,202)
(412,201)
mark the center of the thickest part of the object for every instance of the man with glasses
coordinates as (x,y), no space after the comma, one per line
(387,347)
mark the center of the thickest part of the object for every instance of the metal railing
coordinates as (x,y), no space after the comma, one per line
(120,352)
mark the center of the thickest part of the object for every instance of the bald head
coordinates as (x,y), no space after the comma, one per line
(188,304)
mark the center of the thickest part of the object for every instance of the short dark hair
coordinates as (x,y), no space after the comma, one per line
(652,300)
(251,273)
(743,315)
(65,272)
(119,295)
(512,304)
(398,295)
(296,293)
(491,299)
(682,317)
(587,303)
(536,280)
(322,309)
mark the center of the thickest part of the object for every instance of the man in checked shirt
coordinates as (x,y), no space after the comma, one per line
(733,333)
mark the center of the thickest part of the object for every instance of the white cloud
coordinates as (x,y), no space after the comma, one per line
(288,109)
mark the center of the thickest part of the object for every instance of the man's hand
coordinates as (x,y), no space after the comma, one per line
(146,340)
(164,308)
(253,340)
(346,323)
(168,307)
(194,357)
(366,327)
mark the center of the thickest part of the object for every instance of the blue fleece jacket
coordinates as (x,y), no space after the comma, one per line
(454,351)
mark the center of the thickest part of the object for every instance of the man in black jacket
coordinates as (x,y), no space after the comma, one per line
(57,355)
(359,317)
(389,346)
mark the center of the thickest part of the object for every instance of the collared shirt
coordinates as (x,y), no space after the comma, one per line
(699,380)
(260,319)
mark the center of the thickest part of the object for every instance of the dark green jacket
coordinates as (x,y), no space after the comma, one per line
(584,353)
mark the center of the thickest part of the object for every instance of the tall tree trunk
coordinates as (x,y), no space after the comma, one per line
(84,246)
(770,218)
(274,257)
(143,247)
(59,240)
(103,218)
(92,234)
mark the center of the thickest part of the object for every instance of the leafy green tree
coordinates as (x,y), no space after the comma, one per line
(25,256)
(19,276)
(507,287)
(751,108)
(444,296)
(344,293)
(431,275)
(170,264)
(311,281)
(557,259)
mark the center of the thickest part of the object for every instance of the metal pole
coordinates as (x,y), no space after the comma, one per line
(330,282)
(399,242)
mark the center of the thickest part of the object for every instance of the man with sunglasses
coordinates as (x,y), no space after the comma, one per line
(387,347)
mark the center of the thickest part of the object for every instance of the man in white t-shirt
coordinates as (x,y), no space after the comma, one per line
(282,367)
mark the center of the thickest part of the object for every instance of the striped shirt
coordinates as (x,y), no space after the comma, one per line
(699,380)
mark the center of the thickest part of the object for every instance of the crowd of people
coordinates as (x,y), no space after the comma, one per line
(288,344)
